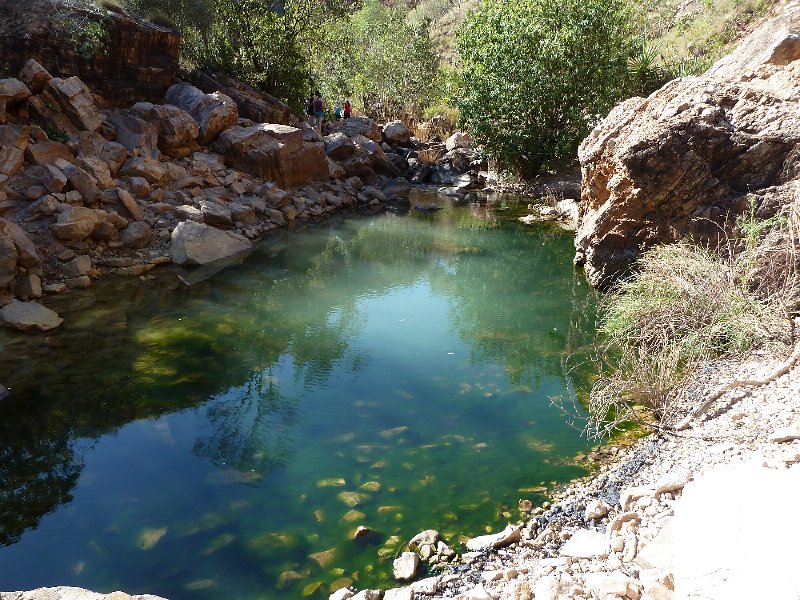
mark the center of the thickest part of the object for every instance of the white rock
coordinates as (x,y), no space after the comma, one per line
(403,593)
(428,586)
(547,588)
(477,593)
(723,552)
(429,537)
(72,593)
(629,496)
(508,536)
(405,566)
(459,139)
(585,543)
(596,509)
(786,434)
(368,595)
(342,594)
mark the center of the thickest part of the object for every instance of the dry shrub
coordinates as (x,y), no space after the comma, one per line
(430,156)
(686,306)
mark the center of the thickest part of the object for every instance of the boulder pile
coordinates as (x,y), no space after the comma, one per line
(86,191)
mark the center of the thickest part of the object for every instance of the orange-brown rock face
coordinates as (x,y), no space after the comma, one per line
(685,161)
(136,60)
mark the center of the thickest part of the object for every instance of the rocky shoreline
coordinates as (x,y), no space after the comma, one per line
(86,192)
(657,523)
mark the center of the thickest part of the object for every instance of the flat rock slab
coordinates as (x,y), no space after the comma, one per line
(200,244)
(508,536)
(735,532)
(586,543)
(27,316)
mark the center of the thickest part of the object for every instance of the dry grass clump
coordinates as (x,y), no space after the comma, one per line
(430,156)
(687,306)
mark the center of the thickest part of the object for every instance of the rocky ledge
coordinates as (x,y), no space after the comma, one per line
(684,162)
(86,192)
(71,593)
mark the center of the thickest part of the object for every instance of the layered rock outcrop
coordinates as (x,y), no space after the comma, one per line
(253,104)
(684,162)
(122,58)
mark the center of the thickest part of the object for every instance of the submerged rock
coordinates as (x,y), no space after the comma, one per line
(29,315)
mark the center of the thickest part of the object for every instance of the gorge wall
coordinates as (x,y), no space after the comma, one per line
(684,162)
(121,58)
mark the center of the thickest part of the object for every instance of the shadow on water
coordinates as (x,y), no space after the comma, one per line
(344,373)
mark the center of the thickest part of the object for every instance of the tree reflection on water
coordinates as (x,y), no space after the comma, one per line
(161,347)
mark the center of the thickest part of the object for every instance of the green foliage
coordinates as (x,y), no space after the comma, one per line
(261,42)
(381,59)
(686,306)
(536,74)
(89,37)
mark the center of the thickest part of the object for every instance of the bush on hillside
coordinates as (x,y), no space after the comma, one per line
(382,61)
(536,75)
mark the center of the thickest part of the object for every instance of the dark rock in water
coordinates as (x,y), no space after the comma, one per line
(4,392)
(427,207)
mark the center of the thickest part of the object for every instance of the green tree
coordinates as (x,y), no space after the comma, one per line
(536,74)
(382,59)
(265,43)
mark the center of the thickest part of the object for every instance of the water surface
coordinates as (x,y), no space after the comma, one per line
(223,440)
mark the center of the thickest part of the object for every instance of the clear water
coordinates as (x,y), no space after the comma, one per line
(210,441)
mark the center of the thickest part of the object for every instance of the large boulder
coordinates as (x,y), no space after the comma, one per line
(75,99)
(134,133)
(397,132)
(338,146)
(368,160)
(362,126)
(27,255)
(12,92)
(274,153)
(682,162)
(34,75)
(77,223)
(253,104)
(200,244)
(46,153)
(29,315)
(214,112)
(13,142)
(177,129)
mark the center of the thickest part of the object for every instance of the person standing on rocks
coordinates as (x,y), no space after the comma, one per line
(319,111)
(337,111)
(309,108)
(347,108)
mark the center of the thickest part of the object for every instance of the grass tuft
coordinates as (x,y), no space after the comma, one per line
(688,305)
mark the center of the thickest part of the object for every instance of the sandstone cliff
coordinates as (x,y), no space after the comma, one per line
(684,162)
(121,58)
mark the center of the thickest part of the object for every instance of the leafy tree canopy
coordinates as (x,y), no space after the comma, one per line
(381,59)
(536,74)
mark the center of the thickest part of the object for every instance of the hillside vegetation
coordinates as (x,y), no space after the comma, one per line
(529,78)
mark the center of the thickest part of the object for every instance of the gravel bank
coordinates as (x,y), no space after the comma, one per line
(650,526)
